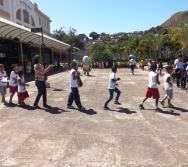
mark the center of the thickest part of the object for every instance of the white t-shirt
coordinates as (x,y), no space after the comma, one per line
(12,82)
(112,85)
(152,80)
(179,64)
(4,74)
(132,62)
(168,86)
(21,88)
(73,83)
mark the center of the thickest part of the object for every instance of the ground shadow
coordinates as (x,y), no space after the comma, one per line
(180,109)
(56,89)
(170,112)
(125,110)
(55,110)
(10,105)
(28,107)
(89,112)
(91,75)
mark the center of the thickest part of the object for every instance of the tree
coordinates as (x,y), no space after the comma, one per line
(155,42)
(94,35)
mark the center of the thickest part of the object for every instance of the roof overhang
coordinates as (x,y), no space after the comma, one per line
(12,30)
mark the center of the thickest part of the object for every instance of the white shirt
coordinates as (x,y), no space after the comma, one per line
(1,77)
(152,80)
(12,82)
(178,64)
(132,62)
(21,88)
(73,83)
(112,85)
(168,86)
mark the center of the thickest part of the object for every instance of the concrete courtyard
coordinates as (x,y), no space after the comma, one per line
(125,136)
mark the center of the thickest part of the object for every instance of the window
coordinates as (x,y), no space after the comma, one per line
(18,14)
(47,25)
(39,21)
(2,2)
(32,22)
(26,16)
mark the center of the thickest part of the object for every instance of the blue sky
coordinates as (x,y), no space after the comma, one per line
(109,16)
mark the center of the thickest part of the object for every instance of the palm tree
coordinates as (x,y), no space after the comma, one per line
(155,42)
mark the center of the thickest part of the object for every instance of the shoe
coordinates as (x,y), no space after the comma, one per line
(106,108)
(46,106)
(82,108)
(116,102)
(161,102)
(141,106)
(170,106)
(157,109)
(36,106)
(70,106)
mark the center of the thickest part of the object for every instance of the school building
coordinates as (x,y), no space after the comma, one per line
(18,43)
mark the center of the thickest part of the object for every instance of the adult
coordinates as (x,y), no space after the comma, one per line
(178,64)
(132,64)
(40,80)
(143,63)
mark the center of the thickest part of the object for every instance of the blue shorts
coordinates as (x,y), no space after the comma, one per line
(169,93)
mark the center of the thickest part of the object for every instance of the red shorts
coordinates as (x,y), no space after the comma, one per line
(13,89)
(22,96)
(153,92)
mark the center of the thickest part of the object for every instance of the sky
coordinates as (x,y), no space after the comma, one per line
(109,16)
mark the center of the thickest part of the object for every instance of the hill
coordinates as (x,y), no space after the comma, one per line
(175,19)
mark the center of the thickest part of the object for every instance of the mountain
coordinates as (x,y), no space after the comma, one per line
(175,19)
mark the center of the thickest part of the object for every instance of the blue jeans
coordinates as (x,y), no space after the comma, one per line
(111,91)
(74,95)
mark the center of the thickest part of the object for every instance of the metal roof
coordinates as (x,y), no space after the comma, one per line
(12,30)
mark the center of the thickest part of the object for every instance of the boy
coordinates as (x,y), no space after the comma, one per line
(168,86)
(13,82)
(74,94)
(112,88)
(3,82)
(152,90)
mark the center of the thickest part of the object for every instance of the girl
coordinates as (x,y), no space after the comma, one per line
(22,92)
(3,84)
(13,82)
(160,67)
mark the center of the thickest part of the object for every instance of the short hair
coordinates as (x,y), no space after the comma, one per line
(13,65)
(36,59)
(180,55)
(114,67)
(1,65)
(20,72)
(73,64)
(153,66)
(169,67)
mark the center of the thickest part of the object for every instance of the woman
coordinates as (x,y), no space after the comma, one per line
(40,80)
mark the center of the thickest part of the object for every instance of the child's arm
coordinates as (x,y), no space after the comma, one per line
(157,78)
(114,80)
(168,81)
(23,84)
(75,76)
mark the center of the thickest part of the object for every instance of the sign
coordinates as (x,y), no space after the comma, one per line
(36,29)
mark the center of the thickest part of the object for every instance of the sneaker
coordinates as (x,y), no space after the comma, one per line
(46,106)
(116,102)
(82,108)
(162,102)
(106,108)
(36,106)
(141,106)
(170,106)
(70,106)
(157,109)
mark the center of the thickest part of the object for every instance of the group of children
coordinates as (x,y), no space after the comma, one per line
(16,84)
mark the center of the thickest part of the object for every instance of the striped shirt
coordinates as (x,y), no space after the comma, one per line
(39,72)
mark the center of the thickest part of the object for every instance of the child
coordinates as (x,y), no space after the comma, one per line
(22,92)
(112,88)
(3,85)
(74,94)
(13,82)
(168,86)
(152,87)
(160,67)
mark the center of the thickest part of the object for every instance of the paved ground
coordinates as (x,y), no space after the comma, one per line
(123,137)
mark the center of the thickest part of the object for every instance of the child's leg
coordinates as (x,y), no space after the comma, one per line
(144,99)
(111,91)
(76,97)
(11,96)
(156,102)
(3,98)
(164,98)
(118,94)
(169,101)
